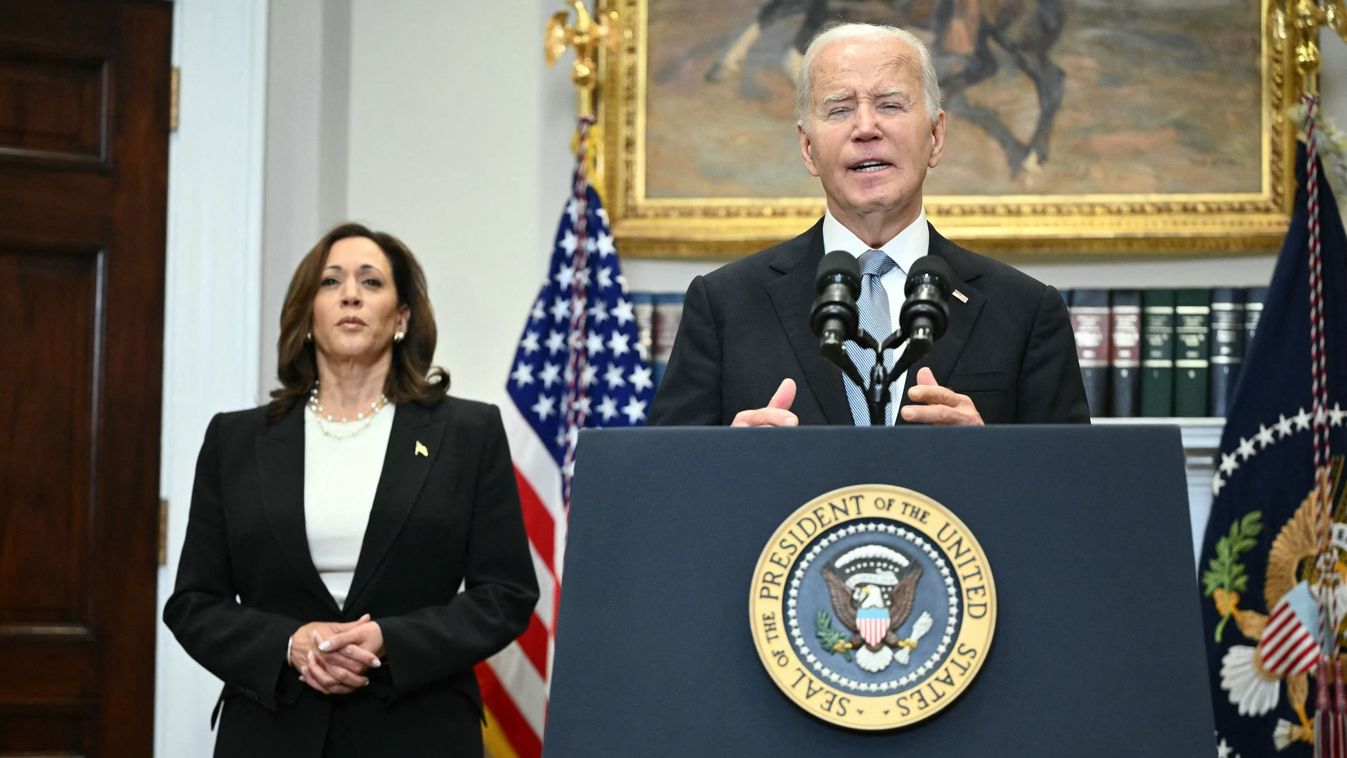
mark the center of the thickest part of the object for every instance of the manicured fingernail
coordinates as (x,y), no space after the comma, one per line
(365,683)
(325,645)
(377,663)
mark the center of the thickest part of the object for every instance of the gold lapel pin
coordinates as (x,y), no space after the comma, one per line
(961,296)
(421,449)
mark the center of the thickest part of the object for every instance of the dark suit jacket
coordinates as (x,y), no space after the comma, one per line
(745,327)
(448,517)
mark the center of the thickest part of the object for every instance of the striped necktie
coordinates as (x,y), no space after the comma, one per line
(875,320)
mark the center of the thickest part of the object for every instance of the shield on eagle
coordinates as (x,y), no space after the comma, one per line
(873,624)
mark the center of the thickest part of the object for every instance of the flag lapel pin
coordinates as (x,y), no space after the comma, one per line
(421,449)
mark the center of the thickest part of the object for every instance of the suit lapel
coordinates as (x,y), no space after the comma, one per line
(962,315)
(413,445)
(792,295)
(280,468)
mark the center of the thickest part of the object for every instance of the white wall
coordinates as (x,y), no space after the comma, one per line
(212,298)
(308,114)
(439,123)
(458,146)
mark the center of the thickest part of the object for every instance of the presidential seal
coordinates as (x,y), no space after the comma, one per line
(872,607)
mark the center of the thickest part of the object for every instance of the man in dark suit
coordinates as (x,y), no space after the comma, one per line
(870,127)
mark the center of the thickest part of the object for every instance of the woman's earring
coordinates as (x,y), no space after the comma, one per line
(308,337)
(398,336)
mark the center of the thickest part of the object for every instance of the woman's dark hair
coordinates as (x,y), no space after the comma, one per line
(411,377)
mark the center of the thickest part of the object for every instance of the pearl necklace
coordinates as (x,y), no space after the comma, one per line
(343,428)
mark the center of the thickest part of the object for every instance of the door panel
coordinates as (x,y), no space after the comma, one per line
(56,108)
(83,188)
(47,306)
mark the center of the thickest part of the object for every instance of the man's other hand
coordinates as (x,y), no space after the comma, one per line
(939,405)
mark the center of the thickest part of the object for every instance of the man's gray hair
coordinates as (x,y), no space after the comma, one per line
(930,88)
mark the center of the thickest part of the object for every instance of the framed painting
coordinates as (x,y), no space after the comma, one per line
(1080,126)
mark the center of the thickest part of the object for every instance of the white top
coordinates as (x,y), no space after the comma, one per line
(340,477)
(909,245)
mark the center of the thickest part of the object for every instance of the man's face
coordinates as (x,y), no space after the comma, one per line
(867,135)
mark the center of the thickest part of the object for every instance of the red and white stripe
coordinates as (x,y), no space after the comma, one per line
(873,629)
(514,681)
(1287,645)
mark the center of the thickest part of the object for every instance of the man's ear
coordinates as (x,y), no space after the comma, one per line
(937,140)
(804,149)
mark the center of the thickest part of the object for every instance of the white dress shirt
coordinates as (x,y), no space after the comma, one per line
(340,477)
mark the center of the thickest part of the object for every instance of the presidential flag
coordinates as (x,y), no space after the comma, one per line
(579,365)
(1274,555)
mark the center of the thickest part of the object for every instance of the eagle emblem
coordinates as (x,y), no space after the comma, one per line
(861,614)
(872,588)
(1287,641)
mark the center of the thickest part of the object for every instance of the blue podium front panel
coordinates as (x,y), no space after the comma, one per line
(1097,648)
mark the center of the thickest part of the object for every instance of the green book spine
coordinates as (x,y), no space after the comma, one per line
(1157,357)
(1192,351)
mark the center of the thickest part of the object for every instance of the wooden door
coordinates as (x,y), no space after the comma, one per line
(84,101)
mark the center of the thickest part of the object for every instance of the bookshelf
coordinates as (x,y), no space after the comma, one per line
(1201,441)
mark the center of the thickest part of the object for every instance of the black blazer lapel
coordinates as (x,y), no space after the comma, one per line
(793,294)
(280,469)
(962,315)
(413,445)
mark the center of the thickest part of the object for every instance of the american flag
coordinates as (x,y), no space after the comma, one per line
(580,364)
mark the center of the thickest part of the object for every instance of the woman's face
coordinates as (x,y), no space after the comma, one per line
(356,311)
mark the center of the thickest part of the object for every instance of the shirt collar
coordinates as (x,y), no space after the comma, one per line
(909,245)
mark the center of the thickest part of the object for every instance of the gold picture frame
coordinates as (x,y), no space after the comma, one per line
(1250,217)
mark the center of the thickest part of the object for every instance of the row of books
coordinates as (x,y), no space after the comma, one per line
(1143,352)
(1162,352)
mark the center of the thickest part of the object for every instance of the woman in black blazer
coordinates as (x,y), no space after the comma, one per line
(355,546)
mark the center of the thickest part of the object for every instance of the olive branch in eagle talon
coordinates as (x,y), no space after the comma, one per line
(833,641)
(1226,577)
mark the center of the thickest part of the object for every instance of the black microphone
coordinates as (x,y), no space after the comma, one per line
(834,317)
(925,313)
